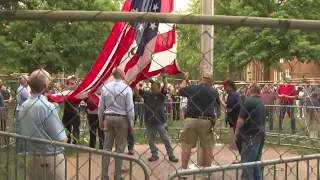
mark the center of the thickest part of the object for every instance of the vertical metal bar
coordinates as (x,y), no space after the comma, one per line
(223,174)
(308,169)
(25,159)
(194,177)
(66,167)
(237,173)
(89,174)
(16,161)
(130,170)
(274,171)
(318,169)
(77,165)
(54,163)
(8,157)
(103,174)
(297,170)
(286,171)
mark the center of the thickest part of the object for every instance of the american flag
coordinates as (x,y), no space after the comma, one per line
(142,49)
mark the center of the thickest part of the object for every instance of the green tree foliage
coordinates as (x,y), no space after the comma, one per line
(235,47)
(57,46)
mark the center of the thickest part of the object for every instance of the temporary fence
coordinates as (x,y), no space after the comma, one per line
(243,48)
(17,166)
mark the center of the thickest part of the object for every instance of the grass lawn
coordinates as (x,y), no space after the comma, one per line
(12,166)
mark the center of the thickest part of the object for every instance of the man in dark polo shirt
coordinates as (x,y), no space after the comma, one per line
(155,118)
(200,116)
(71,114)
(250,129)
(232,106)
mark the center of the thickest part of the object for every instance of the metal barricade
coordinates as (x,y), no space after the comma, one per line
(223,168)
(14,166)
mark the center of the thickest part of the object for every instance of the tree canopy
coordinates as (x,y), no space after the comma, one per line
(57,46)
(235,47)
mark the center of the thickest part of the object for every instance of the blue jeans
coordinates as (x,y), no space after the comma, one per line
(152,131)
(252,151)
(290,110)
(20,144)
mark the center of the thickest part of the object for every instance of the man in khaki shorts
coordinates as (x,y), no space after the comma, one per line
(40,119)
(200,116)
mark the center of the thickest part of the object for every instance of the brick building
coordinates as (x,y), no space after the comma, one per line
(295,70)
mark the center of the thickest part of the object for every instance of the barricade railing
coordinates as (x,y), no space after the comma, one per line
(223,168)
(175,113)
(11,162)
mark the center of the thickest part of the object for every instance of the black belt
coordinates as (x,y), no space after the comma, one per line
(117,115)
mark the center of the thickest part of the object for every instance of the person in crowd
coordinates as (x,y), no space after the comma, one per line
(22,94)
(268,97)
(5,91)
(200,117)
(313,115)
(175,104)
(3,120)
(287,95)
(155,118)
(71,114)
(140,105)
(301,102)
(130,138)
(56,88)
(116,118)
(40,119)
(92,115)
(250,130)
(232,106)
(7,98)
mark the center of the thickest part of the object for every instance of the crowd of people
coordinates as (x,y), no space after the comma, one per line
(112,120)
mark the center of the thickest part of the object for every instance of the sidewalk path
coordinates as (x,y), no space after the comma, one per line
(160,169)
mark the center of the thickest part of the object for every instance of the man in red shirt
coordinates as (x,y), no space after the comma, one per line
(287,94)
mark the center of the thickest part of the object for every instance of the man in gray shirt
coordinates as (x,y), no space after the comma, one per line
(22,94)
(116,117)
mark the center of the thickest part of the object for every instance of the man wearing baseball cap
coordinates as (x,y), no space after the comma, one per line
(200,117)
(71,114)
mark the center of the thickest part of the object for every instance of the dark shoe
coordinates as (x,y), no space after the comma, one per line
(153,158)
(131,152)
(173,159)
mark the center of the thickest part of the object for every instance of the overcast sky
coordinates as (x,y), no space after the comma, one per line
(181,4)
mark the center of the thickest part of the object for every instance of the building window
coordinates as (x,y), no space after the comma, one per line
(275,75)
(280,76)
(281,60)
(288,73)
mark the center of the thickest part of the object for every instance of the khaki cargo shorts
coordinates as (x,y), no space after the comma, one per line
(194,128)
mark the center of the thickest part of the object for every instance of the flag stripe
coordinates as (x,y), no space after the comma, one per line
(163,43)
(142,49)
(101,62)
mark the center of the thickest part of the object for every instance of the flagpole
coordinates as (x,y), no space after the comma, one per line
(206,54)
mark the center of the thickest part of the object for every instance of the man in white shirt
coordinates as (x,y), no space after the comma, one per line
(116,116)
(22,94)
